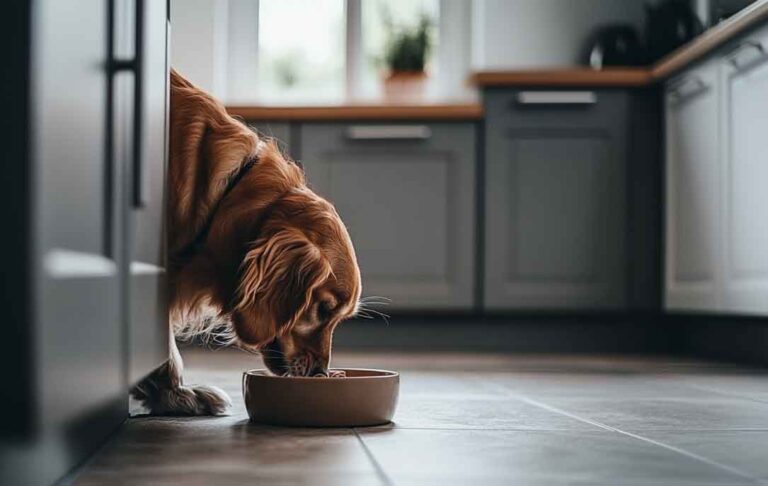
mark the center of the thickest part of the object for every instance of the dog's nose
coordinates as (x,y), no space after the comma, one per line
(318,369)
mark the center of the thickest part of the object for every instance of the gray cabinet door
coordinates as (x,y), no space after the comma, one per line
(78,381)
(745,236)
(144,186)
(555,199)
(407,194)
(693,204)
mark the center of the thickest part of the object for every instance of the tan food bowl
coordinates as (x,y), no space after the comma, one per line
(363,397)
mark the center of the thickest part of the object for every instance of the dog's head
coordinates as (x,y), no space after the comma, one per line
(297,281)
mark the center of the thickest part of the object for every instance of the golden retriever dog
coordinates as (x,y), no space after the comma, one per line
(254,255)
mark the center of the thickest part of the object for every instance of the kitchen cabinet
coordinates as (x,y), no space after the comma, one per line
(716,240)
(87,280)
(745,174)
(693,219)
(406,192)
(555,199)
(144,187)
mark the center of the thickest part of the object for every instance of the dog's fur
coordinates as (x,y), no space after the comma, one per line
(263,263)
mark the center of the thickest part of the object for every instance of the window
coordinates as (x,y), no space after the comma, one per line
(301,50)
(316,51)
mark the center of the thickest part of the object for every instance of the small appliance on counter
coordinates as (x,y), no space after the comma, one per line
(668,25)
(614,45)
(720,10)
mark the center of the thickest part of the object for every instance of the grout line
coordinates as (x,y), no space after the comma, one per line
(648,440)
(379,470)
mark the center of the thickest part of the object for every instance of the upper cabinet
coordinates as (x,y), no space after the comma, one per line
(745,175)
(406,192)
(693,175)
(555,199)
(716,234)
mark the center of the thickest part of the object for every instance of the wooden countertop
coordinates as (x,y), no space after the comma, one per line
(632,77)
(614,77)
(459,111)
(711,40)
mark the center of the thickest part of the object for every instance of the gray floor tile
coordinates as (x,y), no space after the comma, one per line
(485,413)
(191,477)
(434,384)
(533,457)
(669,414)
(229,446)
(591,385)
(753,386)
(746,451)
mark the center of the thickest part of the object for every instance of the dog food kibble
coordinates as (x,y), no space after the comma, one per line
(332,374)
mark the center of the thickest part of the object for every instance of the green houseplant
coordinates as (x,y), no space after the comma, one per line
(405,56)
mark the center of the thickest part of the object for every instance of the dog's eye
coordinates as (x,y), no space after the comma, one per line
(324,310)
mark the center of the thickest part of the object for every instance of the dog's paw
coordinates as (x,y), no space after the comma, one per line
(188,400)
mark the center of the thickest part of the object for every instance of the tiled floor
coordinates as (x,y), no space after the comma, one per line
(474,419)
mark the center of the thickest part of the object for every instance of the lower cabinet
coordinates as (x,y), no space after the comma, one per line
(555,199)
(745,176)
(407,195)
(716,234)
(693,216)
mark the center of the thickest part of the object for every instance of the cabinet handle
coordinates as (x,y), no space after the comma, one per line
(388,132)
(136,67)
(556,97)
(688,87)
(735,54)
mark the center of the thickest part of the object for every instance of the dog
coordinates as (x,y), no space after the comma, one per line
(255,258)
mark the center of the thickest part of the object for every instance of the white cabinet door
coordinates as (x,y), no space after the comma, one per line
(745,156)
(693,215)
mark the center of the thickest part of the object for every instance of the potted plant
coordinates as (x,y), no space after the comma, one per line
(405,57)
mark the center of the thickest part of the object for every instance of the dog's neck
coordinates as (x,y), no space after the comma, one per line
(194,246)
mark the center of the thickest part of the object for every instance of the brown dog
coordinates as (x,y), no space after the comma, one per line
(255,256)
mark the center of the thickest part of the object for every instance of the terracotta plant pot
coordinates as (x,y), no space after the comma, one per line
(405,86)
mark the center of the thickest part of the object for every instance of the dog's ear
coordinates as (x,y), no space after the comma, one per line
(278,277)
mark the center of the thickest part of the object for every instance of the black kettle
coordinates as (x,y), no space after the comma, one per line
(669,25)
(614,45)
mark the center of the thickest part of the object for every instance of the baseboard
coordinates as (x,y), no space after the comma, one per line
(728,338)
(590,333)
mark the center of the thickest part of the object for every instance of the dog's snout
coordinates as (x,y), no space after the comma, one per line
(318,367)
(319,371)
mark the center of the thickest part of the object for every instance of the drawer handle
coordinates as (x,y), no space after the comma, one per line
(556,97)
(688,87)
(388,132)
(735,54)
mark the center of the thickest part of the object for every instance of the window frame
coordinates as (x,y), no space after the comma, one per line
(237,30)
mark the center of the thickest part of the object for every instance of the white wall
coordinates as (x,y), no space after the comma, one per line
(196,50)
(541,33)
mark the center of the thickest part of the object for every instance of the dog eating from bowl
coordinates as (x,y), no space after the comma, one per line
(256,259)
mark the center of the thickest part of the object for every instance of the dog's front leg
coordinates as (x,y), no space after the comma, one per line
(163,392)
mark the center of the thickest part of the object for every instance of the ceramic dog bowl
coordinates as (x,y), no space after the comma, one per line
(363,397)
